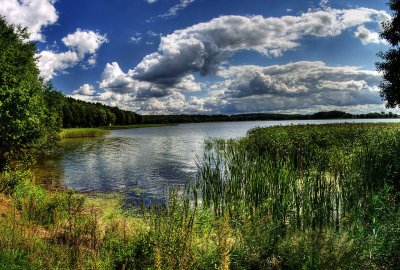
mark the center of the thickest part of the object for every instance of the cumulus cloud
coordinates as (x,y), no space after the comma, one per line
(35,15)
(367,36)
(296,85)
(176,103)
(202,47)
(85,90)
(165,81)
(80,44)
(115,80)
(84,41)
(52,63)
(151,1)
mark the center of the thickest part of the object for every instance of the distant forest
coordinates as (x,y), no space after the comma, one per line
(74,113)
(195,118)
(77,113)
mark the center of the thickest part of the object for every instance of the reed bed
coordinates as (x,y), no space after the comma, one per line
(308,179)
(296,197)
(82,133)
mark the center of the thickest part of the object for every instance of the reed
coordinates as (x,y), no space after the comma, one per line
(297,197)
(82,133)
(303,176)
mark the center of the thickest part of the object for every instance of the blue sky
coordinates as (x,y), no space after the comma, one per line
(209,56)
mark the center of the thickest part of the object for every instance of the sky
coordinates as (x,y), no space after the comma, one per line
(210,56)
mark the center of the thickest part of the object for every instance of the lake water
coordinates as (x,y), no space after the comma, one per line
(142,162)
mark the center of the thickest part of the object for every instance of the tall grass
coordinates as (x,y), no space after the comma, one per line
(298,197)
(82,133)
(305,178)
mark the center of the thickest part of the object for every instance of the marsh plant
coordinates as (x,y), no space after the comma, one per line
(329,182)
(296,197)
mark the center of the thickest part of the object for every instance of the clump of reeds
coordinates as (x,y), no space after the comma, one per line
(82,133)
(303,177)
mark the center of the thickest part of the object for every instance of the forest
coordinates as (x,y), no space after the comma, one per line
(77,113)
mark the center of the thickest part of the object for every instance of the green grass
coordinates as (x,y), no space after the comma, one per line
(297,197)
(82,133)
(137,126)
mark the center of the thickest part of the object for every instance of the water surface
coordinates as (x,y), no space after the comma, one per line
(143,162)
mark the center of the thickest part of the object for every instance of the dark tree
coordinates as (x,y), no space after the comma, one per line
(390,66)
(23,112)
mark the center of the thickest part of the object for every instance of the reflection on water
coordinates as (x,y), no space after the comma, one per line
(140,162)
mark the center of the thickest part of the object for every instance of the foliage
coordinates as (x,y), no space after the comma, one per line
(390,66)
(78,113)
(23,120)
(280,181)
(9,180)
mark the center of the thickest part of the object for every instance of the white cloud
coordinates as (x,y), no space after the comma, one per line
(151,1)
(293,86)
(175,9)
(92,60)
(115,80)
(188,84)
(84,41)
(163,81)
(203,47)
(324,3)
(153,34)
(367,36)
(136,38)
(52,63)
(85,90)
(33,14)
(173,104)
(80,43)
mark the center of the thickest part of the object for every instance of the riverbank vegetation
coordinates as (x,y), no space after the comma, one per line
(295,197)
(82,133)
(198,118)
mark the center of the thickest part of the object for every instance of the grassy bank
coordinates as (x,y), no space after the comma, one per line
(82,133)
(297,197)
(137,126)
(70,133)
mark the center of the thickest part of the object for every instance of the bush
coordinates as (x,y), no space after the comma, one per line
(10,179)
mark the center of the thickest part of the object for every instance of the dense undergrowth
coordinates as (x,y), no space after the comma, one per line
(297,197)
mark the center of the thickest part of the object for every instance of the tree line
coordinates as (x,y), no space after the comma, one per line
(77,113)
(197,118)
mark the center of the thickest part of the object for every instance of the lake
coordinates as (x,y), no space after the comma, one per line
(143,162)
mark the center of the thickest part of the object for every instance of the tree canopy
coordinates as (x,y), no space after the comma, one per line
(390,66)
(23,112)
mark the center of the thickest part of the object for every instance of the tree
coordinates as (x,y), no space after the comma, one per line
(390,66)
(23,111)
